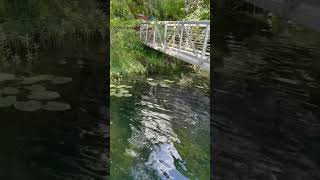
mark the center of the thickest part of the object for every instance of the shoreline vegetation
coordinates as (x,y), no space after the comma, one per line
(128,54)
(26,27)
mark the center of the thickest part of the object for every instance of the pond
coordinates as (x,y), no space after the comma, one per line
(267,99)
(160,126)
(53,115)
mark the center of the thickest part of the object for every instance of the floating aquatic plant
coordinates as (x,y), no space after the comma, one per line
(28,105)
(165,83)
(38,78)
(6,77)
(200,87)
(80,62)
(7,101)
(168,81)
(56,106)
(35,88)
(120,91)
(62,62)
(43,95)
(124,91)
(152,83)
(61,80)
(118,95)
(10,91)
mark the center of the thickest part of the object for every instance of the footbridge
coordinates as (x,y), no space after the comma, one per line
(188,41)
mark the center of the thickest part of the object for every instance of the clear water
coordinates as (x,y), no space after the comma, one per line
(266,122)
(161,132)
(69,144)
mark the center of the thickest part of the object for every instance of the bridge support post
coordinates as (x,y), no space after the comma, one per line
(204,47)
(165,37)
(154,34)
(147,29)
(180,40)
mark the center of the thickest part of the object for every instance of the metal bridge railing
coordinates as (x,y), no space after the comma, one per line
(186,40)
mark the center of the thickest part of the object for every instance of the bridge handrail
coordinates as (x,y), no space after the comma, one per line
(205,22)
(190,39)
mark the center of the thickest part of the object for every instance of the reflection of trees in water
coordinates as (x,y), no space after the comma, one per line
(162,112)
(263,107)
(156,132)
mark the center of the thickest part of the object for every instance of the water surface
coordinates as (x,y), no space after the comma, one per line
(267,91)
(162,130)
(55,143)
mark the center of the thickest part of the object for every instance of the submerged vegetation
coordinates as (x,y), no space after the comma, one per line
(128,55)
(29,25)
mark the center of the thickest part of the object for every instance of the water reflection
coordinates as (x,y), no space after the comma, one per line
(55,126)
(266,103)
(158,116)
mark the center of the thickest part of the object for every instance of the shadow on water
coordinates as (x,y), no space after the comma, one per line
(266,108)
(162,130)
(55,126)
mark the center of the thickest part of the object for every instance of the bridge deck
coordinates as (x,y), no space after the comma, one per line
(185,40)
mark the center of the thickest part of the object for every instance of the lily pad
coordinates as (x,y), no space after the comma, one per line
(164,85)
(152,83)
(168,81)
(61,80)
(10,90)
(62,62)
(36,88)
(56,106)
(43,95)
(121,86)
(28,105)
(118,95)
(38,78)
(80,62)
(6,77)
(7,101)
(201,87)
(113,90)
(112,85)
(125,86)
(149,79)
(124,91)
(112,93)
(127,95)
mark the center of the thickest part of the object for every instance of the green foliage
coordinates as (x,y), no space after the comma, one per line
(125,50)
(128,55)
(198,10)
(26,25)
